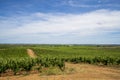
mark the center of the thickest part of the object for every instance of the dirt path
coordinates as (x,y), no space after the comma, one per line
(82,72)
(31,53)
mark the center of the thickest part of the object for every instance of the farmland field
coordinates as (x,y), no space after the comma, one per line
(15,60)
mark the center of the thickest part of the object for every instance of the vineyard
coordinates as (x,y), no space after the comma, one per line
(14,58)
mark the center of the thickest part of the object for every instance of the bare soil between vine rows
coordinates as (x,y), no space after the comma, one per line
(81,72)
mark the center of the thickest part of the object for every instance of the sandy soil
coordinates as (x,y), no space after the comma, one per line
(31,53)
(82,72)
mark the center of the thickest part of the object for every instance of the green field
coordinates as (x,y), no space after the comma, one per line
(15,57)
(77,51)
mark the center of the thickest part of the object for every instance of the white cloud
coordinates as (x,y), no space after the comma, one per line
(91,23)
(84,4)
(78,4)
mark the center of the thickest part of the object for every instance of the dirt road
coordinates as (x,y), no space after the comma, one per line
(31,53)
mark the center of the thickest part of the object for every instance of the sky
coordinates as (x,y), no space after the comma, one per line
(60,21)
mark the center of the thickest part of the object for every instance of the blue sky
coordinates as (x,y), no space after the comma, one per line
(60,21)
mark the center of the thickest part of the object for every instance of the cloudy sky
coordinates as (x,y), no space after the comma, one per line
(60,21)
